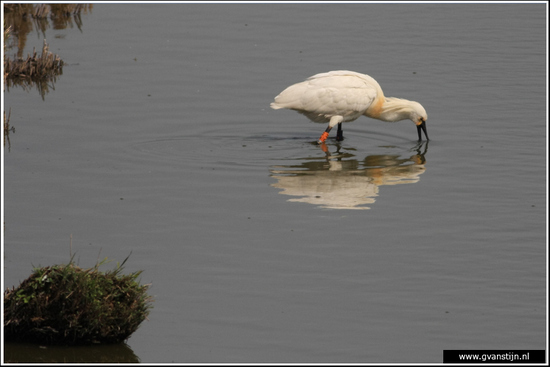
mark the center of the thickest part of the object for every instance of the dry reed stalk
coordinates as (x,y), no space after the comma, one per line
(7,129)
(35,67)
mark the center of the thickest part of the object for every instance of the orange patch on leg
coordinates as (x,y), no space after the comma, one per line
(323,137)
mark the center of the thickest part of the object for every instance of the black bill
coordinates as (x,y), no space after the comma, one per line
(422,127)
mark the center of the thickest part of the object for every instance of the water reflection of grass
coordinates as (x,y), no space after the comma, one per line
(7,129)
(39,70)
(36,70)
(101,353)
(22,18)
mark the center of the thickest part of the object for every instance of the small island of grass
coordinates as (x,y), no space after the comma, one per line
(68,305)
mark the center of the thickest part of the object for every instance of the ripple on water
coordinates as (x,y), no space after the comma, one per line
(217,144)
(226,146)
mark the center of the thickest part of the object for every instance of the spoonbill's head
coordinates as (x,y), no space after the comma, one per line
(419,116)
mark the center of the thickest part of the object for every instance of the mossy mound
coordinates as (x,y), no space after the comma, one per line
(68,305)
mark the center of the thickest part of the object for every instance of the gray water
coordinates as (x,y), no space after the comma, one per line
(158,141)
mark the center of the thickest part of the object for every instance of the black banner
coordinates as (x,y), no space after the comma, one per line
(494,356)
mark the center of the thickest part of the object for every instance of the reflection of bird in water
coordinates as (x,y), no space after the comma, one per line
(347,183)
(344,96)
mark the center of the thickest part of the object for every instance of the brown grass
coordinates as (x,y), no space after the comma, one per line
(38,70)
(35,67)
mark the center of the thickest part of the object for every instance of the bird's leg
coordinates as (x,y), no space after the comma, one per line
(334,120)
(325,135)
(339,133)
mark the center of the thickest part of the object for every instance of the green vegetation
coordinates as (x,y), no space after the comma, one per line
(68,305)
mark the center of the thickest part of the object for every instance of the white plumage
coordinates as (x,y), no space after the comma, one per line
(343,96)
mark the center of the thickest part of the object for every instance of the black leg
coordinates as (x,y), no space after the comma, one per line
(340,133)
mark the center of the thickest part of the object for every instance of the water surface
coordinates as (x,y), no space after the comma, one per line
(158,140)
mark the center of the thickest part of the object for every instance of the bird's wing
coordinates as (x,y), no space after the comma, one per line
(329,95)
(338,95)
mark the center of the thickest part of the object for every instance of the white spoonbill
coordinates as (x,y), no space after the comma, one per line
(344,96)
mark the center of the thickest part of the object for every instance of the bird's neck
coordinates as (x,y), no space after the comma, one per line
(389,109)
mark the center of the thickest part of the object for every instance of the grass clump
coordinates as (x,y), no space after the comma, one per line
(68,305)
(34,69)
(40,70)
